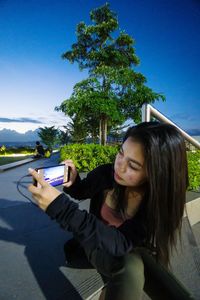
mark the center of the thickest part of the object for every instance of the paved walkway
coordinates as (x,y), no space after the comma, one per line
(31,246)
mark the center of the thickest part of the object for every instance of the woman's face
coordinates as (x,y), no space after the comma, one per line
(129,167)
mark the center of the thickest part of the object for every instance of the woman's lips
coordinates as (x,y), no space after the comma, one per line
(117,177)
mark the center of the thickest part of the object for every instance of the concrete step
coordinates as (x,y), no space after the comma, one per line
(15,164)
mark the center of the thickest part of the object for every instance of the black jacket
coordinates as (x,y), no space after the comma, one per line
(88,228)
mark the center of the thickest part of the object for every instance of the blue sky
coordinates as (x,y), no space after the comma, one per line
(34,34)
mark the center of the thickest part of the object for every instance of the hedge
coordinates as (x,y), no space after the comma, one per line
(19,150)
(194,170)
(88,156)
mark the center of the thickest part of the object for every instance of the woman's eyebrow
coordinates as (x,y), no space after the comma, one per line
(132,160)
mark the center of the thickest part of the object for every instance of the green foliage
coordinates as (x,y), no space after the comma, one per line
(113,92)
(2,149)
(20,150)
(91,102)
(47,153)
(49,136)
(194,170)
(86,157)
(23,151)
(78,129)
(64,135)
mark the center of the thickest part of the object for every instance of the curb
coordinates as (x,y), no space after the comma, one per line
(19,163)
(192,211)
(15,164)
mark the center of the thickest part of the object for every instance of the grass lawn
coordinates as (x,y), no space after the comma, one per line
(9,159)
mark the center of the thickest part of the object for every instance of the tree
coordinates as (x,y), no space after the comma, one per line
(77,130)
(114,91)
(49,136)
(89,104)
(64,136)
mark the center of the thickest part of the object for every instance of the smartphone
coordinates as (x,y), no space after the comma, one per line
(54,175)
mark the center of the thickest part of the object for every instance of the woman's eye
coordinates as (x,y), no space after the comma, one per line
(133,168)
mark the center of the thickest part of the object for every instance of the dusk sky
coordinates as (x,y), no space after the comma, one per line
(34,78)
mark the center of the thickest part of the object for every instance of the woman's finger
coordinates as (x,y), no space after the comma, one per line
(70,164)
(33,189)
(68,184)
(68,160)
(37,177)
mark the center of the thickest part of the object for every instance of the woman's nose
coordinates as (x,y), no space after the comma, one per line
(122,166)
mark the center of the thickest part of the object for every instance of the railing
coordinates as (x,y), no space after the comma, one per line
(148,111)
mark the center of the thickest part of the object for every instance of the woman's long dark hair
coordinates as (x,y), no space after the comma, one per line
(166,165)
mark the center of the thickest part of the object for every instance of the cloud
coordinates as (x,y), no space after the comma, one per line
(33,121)
(19,120)
(184,116)
(194,131)
(57,119)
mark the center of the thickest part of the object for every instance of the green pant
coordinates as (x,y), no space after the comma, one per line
(126,277)
(127,282)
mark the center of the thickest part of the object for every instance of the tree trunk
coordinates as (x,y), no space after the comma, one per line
(100,137)
(103,130)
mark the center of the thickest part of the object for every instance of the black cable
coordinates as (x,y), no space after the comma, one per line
(18,184)
(29,199)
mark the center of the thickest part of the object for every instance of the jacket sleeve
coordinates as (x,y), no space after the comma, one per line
(91,184)
(91,233)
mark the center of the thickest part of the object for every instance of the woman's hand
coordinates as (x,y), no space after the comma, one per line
(45,194)
(73,172)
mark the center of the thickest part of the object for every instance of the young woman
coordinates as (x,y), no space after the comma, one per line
(136,209)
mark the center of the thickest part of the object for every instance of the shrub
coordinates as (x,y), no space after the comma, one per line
(24,150)
(19,150)
(86,157)
(13,150)
(47,153)
(2,149)
(194,170)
